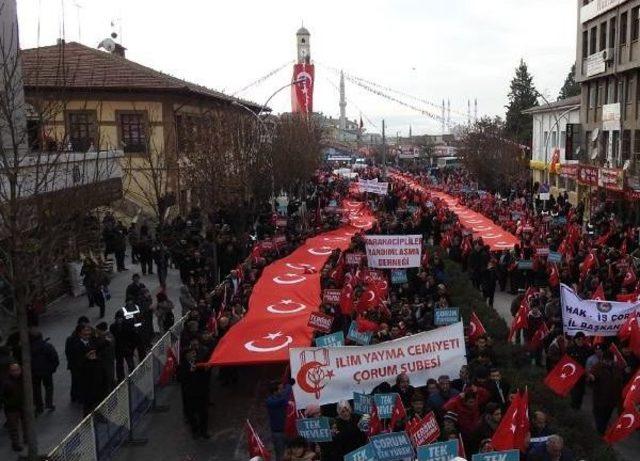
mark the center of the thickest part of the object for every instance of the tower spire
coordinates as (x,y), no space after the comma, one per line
(448,114)
(475,110)
(443,119)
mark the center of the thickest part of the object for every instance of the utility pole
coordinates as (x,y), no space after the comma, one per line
(384,152)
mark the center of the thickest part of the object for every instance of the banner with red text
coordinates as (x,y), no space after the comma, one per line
(302,93)
(393,251)
(330,374)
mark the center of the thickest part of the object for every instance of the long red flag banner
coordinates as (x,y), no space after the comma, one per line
(286,293)
(481,226)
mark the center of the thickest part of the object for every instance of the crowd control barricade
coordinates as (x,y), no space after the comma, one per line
(78,445)
(113,422)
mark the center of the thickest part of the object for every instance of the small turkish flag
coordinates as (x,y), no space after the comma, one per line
(398,413)
(618,358)
(476,328)
(290,419)
(461,450)
(629,297)
(513,426)
(538,337)
(631,392)
(520,321)
(346,299)
(599,293)
(256,447)
(169,368)
(564,376)
(554,276)
(375,425)
(626,425)
(629,328)
(629,278)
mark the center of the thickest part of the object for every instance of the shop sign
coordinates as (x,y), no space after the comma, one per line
(588,175)
(569,171)
(611,178)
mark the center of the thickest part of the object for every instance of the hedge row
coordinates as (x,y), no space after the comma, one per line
(575,427)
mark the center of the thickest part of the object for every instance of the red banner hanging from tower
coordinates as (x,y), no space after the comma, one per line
(302,92)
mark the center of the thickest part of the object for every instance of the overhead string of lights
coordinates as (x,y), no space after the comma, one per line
(263,78)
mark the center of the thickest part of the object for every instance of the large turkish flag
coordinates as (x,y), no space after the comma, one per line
(284,296)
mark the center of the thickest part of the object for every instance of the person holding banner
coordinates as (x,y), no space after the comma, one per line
(347,435)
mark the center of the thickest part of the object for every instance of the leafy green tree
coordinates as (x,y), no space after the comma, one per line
(570,87)
(522,95)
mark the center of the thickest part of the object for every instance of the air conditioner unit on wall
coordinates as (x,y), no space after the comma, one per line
(608,54)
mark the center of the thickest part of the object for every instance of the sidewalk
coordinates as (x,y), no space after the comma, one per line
(57,323)
(628,449)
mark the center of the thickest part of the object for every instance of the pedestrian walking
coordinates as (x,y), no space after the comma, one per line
(11,398)
(44,363)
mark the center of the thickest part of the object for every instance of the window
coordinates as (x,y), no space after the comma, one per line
(634,24)
(602,97)
(545,140)
(615,148)
(554,139)
(593,95)
(587,143)
(82,130)
(612,95)
(571,185)
(623,28)
(603,36)
(132,131)
(626,145)
(585,44)
(612,33)
(592,40)
(563,138)
(636,144)
(34,132)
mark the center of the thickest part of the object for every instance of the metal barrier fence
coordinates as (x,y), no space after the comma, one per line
(101,433)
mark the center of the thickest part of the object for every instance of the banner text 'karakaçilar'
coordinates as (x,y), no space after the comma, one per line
(328,375)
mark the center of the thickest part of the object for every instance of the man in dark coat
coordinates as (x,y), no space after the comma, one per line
(608,380)
(11,398)
(44,363)
(194,383)
(125,338)
(75,349)
(93,381)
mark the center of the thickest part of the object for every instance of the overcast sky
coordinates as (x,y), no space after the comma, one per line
(431,49)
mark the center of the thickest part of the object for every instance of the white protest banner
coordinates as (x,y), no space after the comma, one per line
(328,375)
(393,251)
(374,187)
(593,317)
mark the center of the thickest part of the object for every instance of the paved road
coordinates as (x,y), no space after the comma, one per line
(629,449)
(57,323)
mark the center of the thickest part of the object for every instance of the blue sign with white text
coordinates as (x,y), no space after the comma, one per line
(392,447)
(362,403)
(333,340)
(384,404)
(525,264)
(509,455)
(364,453)
(398,276)
(359,337)
(443,451)
(314,429)
(554,257)
(446,316)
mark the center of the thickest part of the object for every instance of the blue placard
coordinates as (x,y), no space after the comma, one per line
(384,404)
(525,264)
(443,451)
(559,221)
(333,340)
(314,429)
(359,337)
(446,316)
(508,455)
(364,453)
(362,403)
(398,276)
(554,257)
(392,447)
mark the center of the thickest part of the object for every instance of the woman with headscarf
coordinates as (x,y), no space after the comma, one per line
(347,435)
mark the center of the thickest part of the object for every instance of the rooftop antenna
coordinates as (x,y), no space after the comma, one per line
(78,8)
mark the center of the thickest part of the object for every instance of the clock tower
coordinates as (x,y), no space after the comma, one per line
(304,49)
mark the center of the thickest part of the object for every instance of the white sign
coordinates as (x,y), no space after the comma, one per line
(595,64)
(611,117)
(373,187)
(595,8)
(393,251)
(328,375)
(593,317)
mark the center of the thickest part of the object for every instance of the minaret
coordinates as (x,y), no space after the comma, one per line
(475,110)
(410,133)
(343,104)
(443,119)
(448,114)
(469,111)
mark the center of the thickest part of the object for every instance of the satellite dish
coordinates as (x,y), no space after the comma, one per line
(108,44)
(627,165)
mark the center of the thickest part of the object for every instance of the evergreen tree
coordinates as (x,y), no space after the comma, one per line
(522,96)
(570,87)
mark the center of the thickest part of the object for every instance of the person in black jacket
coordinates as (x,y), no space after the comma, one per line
(93,381)
(347,435)
(44,363)
(194,382)
(11,398)
(75,349)
(125,337)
